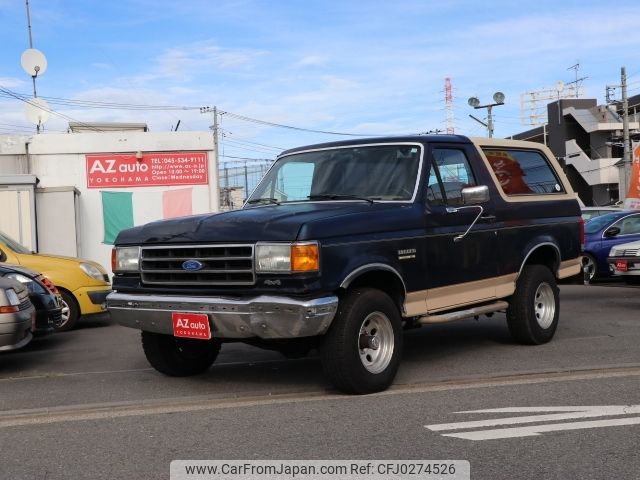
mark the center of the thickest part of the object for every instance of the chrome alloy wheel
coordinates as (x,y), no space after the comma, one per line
(545,305)
(66,313)
(376,342)
(589,266)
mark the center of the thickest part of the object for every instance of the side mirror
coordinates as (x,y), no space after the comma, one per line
(611,232)
(475,195)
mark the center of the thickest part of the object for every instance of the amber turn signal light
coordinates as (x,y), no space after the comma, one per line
(305,258)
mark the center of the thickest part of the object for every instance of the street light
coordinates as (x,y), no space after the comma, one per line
(474,102)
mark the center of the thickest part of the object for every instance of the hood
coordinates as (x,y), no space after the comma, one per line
(285,222)
(6,268)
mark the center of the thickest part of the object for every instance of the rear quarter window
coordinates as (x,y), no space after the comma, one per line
(523,172)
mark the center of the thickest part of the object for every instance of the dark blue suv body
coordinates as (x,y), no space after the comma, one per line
(342,245)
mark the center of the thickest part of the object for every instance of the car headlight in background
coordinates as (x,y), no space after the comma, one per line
(287,257)
(125,259)
(93,271)
(12,297)
(30,283)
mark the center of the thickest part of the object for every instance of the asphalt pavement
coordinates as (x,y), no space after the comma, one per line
(85,404)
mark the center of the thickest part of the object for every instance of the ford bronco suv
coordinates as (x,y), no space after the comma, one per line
(342,245)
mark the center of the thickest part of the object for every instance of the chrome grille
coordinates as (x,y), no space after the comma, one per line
(24,300)
(24,304)
(629,252)
(221,265)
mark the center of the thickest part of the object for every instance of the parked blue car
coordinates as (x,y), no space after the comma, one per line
(602,233)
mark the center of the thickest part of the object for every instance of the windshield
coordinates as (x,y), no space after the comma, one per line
(377,172)
(12,244)
(598,223)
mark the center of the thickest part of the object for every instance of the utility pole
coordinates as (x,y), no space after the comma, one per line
(474,102)
(626,156)
(215,129)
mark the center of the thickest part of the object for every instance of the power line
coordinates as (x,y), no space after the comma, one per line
(256,147)
(53,112)
(249,158)
(242,140)
(290,127)
(97,104)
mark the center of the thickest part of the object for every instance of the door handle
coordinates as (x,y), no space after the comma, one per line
(488,218)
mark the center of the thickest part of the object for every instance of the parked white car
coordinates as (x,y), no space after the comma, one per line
(624,261)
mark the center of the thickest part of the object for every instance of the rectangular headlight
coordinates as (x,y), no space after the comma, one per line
(273,257)
(125,259)
(287,257)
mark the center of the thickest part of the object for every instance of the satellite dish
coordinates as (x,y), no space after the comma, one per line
(473,101)
(37,110)
(33,62)
(559,85)
(498,97)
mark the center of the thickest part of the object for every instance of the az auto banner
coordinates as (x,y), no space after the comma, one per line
(115,170)
(633,195)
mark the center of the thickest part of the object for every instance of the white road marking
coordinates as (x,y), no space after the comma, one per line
(577,412)
(499,433)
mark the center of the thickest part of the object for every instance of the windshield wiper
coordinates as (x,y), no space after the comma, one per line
(333,196)
(263,200)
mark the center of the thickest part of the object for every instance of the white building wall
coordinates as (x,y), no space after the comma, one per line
(59,160)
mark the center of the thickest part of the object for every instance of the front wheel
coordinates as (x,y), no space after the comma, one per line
(589,267)
(179,357)
(361,351)
(70,312)
(534,308)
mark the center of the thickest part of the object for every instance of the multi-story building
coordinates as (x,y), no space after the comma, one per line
(587,139)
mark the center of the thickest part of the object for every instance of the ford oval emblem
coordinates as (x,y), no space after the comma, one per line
(192,265)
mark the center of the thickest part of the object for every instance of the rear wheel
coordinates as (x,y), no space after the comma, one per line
(179,357)
(361,351)
(534,308)
(70,312)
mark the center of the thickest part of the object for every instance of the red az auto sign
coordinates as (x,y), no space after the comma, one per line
(151,169)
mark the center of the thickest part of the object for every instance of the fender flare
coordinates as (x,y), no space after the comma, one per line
(371,267)
(536,247)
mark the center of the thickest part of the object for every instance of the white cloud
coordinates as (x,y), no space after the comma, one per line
(312,61)
(204,58)
(12,82)
(102,66)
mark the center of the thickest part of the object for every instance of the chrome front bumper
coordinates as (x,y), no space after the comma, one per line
(264,316)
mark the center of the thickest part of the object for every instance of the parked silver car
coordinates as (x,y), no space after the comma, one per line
(17,315)
(624,261)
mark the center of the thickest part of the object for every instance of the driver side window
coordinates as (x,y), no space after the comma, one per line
(454,174)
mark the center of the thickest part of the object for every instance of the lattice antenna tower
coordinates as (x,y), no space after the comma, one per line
(448,106)
(576,86)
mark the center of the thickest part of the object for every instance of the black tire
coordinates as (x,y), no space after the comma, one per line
(179,357)
(363,314)
(534,308)
(70,312)
(590,267)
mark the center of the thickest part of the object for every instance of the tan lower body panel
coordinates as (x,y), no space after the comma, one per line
(446,298)
(459,295)
(569,268)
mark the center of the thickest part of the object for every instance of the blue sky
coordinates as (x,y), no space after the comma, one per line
(364,67)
